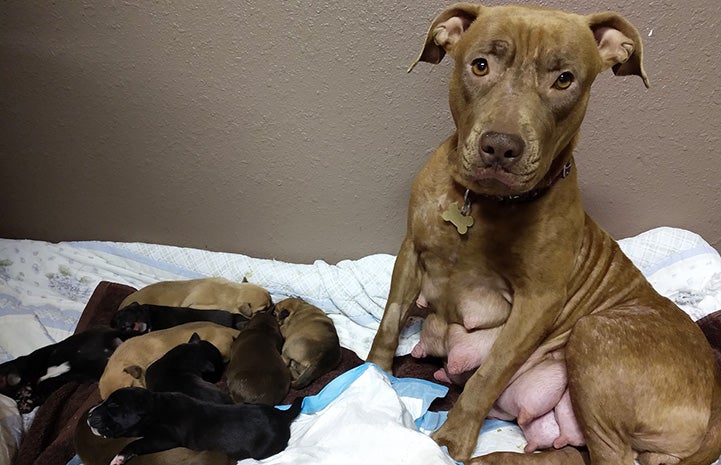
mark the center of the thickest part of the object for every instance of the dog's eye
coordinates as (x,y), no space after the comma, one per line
(479,66)
(564,81)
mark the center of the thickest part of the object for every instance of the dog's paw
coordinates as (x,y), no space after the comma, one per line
(118,460)
(459,441)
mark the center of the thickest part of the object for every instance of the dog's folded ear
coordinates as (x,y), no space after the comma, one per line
(445,31)
(619,44)
(134,370)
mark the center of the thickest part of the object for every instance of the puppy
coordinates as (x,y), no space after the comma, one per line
(127,365)
(148,317)
(192,368)
(204,293)
(256,372)
(311,346)
(164,420)
(30,379)
(96,450)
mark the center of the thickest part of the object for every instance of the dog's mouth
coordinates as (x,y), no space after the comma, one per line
(495,173)
(140,327)
(494,180)
(96,432)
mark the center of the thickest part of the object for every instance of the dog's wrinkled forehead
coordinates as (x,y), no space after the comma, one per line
(547,39)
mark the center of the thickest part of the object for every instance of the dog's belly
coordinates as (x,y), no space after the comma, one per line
(463,330)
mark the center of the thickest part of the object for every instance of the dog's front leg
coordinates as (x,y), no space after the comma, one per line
(529,323)
(142,446)
(405,288)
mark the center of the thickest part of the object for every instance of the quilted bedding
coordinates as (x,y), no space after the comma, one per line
(44,288)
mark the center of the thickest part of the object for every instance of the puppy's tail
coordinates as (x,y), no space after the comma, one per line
(294,410)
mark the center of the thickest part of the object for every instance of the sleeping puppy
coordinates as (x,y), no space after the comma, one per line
(127,365)
(192,368)
(311,346)
(256,372)
(96,450)
(30,379)
(149,317)
(164,420)
(204,293)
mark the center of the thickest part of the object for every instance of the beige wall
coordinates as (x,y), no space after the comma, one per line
(291,130)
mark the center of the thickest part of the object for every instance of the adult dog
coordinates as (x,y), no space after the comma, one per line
(499,248)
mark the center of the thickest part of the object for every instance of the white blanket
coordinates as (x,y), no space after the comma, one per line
(44,288)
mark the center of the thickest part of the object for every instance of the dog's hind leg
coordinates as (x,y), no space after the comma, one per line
(632,392)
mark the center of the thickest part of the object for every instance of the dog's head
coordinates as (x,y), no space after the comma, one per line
(521,84)
(252,299)
(134,317)
(286,308)
(264,323)
(196,356)
(123,414)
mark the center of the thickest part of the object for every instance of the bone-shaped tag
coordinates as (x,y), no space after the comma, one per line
(458,219)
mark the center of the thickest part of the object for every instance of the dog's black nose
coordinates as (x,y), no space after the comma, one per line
(500,149)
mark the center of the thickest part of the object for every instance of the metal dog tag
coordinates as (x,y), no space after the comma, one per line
(456,217)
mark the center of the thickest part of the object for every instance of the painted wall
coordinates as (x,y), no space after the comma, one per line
(291,130)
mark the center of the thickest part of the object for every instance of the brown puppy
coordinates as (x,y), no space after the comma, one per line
(256,373)
(311,346)
(204,293)
(127,364)
(499,247)
(97,450)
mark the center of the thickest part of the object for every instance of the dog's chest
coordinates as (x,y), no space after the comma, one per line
(460,275)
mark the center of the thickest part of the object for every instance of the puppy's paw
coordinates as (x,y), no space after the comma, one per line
(118,460)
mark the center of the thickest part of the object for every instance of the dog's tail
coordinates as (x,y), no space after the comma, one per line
(710,449)
(294,410)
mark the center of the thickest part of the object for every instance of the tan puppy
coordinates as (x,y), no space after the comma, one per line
(96,450)
(257,373)
(311,346)
(500,248)
(127,365)
(204,293)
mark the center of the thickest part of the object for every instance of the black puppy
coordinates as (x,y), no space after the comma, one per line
(148,317)
(164,420)
(192,368)
(30,379)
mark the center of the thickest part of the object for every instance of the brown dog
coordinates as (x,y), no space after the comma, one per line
(257,373)
(311,346)
(499,247)
(204,293)
(127,365)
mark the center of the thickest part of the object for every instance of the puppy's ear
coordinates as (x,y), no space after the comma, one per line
(446,30)
(283,314)
(134,370)
(619,44)
(245,309)
(194,338)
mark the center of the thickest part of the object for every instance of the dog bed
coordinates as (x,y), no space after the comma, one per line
(48,291)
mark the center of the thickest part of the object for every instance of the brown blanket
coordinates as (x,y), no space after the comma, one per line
(49,440)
